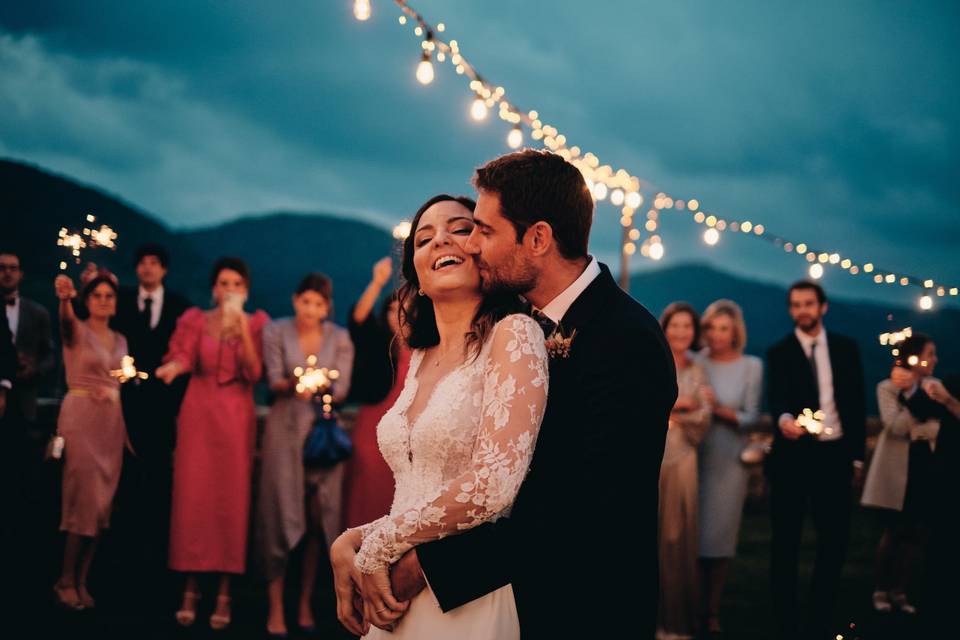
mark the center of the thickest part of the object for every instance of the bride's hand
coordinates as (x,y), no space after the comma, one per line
(380,607)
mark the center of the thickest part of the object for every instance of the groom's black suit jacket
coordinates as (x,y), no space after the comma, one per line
(580,543)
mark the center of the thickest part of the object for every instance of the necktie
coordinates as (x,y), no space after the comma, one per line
(548,325)
(147,313)
(813,368)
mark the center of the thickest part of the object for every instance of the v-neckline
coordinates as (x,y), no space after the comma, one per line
(415,367)
(304,356)
(96,339)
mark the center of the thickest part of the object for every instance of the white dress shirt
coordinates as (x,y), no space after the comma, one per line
(832,429)
(557,308)
(157,296)
(13,316)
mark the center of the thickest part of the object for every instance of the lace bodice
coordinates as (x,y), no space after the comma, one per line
(461,461)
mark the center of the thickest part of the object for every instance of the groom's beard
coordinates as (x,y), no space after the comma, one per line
(515,278)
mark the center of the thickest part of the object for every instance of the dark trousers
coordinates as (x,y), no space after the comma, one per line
(809,477)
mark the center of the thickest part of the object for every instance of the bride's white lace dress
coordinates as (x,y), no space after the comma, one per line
(457,464)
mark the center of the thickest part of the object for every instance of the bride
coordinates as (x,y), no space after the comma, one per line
(460,437)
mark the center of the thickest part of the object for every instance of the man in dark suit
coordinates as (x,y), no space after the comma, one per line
(580,544)
(29,325)
(147,316)
(813,462)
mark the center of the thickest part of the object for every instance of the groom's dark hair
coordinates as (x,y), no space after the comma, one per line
(539,185)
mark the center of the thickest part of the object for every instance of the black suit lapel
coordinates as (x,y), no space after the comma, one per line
(590,302)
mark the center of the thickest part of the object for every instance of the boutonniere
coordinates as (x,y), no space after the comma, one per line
(558,343)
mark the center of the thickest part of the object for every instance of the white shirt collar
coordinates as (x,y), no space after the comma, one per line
(156,294)
(807,340)
(557,308)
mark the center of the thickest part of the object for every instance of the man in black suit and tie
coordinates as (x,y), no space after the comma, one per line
(147,316)
(580,544)
(29,326)
(813,462)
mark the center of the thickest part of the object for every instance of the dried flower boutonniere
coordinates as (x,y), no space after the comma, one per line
(558,344)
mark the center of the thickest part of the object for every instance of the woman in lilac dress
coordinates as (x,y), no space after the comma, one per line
(91,424)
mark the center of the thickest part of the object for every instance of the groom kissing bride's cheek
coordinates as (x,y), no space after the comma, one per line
(527,440)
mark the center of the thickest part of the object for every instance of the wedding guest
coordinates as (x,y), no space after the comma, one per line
(380,367)
(213,462)
(29,325)
(899,482)
(679,576)
(91,425)
(736,381)
(942,550)
(294,502)
(811,468)
(147,316)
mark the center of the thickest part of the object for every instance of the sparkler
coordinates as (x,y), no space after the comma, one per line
(88,237)
(317,381)
(812,421)
(128,371)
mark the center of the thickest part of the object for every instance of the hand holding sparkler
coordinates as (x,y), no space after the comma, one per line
(811,421)
(64,288)
(789,427)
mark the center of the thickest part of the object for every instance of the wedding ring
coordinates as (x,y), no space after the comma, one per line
(381,610)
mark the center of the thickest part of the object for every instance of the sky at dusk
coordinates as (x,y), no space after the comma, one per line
(832,123)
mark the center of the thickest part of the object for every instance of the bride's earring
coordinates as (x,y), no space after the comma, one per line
(420,292)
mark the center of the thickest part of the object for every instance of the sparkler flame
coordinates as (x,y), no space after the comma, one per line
(812,421)
(128,371)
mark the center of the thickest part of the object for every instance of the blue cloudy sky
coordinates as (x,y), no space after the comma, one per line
(833,123)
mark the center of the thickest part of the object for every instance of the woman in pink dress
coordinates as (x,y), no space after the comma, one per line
(91,425)
(221,350)
(380,367)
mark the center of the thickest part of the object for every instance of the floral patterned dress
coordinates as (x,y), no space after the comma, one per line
(457,464)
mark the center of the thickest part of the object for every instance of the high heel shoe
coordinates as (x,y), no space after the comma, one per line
(186,617)
(60,593)
(219,622)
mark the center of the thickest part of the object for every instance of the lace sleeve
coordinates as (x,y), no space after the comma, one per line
(514,399)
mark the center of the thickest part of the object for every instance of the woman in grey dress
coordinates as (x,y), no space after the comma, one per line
(737,383)
(677,540)
(294,501)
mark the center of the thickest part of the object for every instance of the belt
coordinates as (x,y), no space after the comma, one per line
(113,395)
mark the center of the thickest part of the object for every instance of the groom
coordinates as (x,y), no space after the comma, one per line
(580,543)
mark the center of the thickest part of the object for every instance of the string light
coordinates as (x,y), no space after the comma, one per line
(926,303)
(425,69)
(656,250)
(401,230)
(603,178)
(515,138)
(816,271)
(361,10)
(478,110)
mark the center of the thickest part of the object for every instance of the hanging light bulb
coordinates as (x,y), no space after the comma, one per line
(616,197)
(711,236)
(425,69)
(656,250)
(361,10)
(926,303)
(515,138)
(478,110)
(816,271)
(633,199)
(599,191)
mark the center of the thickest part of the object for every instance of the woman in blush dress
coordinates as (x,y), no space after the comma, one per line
(91,424)
(221,349)
(380,367)
(737,383)
(679,575)
(293,501)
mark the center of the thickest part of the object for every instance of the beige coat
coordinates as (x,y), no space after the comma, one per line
(886,484)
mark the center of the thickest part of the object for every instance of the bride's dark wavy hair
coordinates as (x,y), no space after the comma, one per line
(418,323)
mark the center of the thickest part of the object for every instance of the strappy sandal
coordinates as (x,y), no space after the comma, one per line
(70,604)
(186,617)
(220,622)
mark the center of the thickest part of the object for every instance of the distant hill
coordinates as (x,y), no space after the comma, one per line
(281,247)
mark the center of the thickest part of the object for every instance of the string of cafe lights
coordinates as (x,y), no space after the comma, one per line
(621,187)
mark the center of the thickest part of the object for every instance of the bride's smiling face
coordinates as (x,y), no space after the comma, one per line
(443,267)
